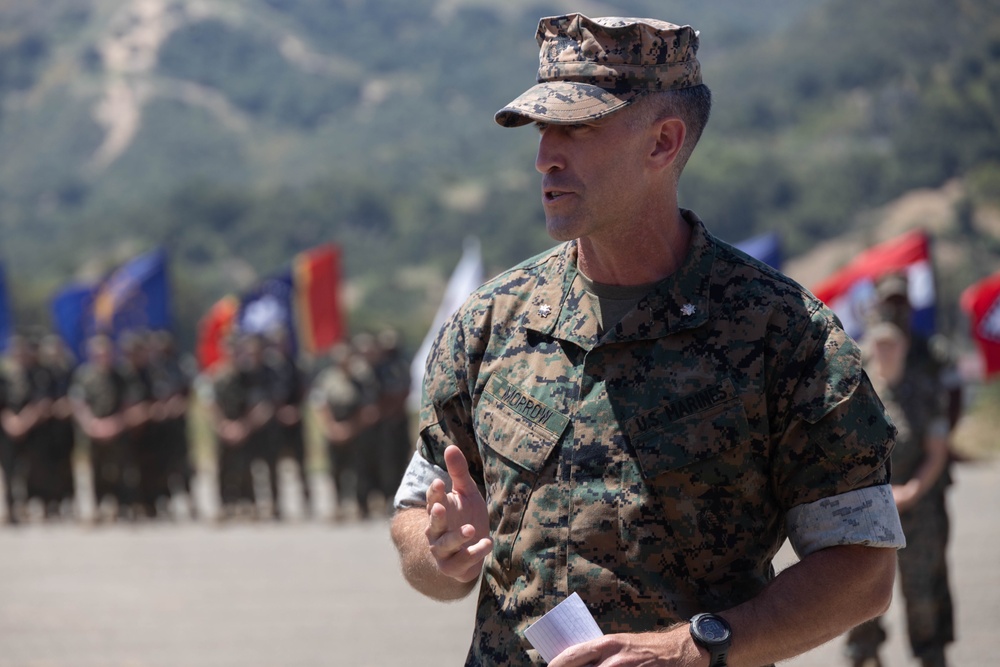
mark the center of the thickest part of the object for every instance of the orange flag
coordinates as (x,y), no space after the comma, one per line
(317,293)
(213,329)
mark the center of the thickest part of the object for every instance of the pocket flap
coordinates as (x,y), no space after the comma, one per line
(690,429)
(518,426)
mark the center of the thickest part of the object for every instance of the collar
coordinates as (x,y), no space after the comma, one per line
(678,302)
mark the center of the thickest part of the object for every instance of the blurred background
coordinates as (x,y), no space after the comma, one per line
(207,167)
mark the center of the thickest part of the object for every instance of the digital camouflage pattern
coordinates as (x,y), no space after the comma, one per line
(650,468)
(589,68)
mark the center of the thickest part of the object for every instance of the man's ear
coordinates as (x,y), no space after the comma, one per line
(670,135)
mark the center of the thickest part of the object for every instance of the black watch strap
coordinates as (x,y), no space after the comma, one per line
(714,634)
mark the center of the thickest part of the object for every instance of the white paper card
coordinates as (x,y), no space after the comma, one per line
(567,624)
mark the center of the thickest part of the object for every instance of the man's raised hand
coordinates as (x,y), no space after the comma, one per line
(458,530)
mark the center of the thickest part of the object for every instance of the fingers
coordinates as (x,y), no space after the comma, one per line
(465,564)
(436,493)
(581,655)
(458,470)
(455,549)
(438,526)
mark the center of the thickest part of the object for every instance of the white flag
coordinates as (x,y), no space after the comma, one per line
(467,276)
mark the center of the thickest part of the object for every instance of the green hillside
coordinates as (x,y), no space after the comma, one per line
(238,133)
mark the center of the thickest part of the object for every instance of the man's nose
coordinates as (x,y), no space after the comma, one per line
(550,155)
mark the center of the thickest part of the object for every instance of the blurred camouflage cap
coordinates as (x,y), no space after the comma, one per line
(589,68)
(892,285)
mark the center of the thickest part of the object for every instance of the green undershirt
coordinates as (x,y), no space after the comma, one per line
(612,302)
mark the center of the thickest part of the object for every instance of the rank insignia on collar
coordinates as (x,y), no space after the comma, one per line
(688,309)
(544,310)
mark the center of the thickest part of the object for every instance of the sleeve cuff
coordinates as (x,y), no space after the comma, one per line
(419,474)
(864,516)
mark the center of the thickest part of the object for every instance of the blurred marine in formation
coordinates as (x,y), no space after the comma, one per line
(168,430)
(242,409)
(910,377)
(99,395)
(144,477)
(360,401)
(58,360)
(288,388)
(393,372)
(38,465)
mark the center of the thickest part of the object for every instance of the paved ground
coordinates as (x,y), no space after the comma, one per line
(319,593)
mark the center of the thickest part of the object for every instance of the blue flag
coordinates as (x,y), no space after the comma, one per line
(766,248)
(72,313)
(269,306)
(6,321)
(134,296)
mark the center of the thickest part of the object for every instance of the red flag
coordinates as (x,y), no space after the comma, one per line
(851,290)
(317,294)
(982,302)
(213,329)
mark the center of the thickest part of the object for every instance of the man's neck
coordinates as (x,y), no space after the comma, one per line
(647,254)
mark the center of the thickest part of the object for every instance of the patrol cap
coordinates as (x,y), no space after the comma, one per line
(589,68)
(892,285)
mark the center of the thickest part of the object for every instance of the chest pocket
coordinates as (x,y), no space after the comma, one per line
(693,428)
(517,433)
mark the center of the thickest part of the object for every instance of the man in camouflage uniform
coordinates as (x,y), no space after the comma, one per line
(368,448)
(643,414)
(242,410)
(99,395)
(149,481)
(171,393)
(930,355)
(58,361)
(344,397)
(394,441)
(335,401)
(912,394)
(288,388)
(25,419)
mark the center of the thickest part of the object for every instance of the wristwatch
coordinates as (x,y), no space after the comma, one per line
(714,634)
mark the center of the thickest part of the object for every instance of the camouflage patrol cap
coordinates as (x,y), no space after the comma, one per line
(589,68)
(892,285)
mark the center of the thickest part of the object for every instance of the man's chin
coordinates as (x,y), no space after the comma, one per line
(560,229)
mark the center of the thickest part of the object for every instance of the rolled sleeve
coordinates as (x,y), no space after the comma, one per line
(419,474)
(865,516)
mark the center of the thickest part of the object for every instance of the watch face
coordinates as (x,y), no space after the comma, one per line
(712,630)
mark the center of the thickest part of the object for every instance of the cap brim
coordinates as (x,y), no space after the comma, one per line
(562,102)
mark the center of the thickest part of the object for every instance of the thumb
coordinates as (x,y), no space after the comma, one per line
(458,470)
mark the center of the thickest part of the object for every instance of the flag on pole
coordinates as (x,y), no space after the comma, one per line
(467,276)
(765,247)
(135,296)
(850,292)
(982,303)
(6,320)
(302,300)
(268,306)
(73,317)
(213,329)
(317,298)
